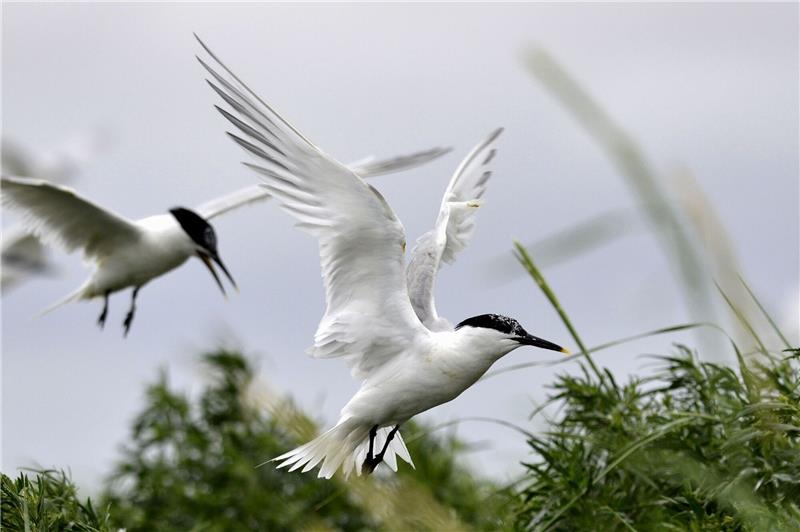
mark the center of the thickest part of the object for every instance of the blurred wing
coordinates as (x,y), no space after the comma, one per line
(368,319)
(15,161)
(23,256)
(453,229)
(59,216)
(21,249)
(63,164)
(238,198)
(369,167)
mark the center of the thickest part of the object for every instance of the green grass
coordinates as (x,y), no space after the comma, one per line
(41,501)
(694,446)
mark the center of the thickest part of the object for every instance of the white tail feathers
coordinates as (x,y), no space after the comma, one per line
(346,446)
(78,294)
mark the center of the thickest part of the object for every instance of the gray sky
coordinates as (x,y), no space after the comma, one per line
(713,88)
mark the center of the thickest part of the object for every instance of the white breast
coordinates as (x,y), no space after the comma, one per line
(163,247)
(425,376)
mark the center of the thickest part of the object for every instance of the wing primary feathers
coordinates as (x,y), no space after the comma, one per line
(255,150)
(474,153)
(248,130)
(240,107)
(371,168)
(253,94)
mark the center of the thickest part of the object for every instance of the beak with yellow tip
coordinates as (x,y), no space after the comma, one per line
(529,339)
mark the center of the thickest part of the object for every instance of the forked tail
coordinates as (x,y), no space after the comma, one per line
(344,445)
(78,294)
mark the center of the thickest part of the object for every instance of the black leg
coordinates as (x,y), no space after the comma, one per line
(101,321)
(389,439)
(131,312)
(369,461)
(372,461)
(373,433)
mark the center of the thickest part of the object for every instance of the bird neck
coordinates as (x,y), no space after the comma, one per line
(482,345)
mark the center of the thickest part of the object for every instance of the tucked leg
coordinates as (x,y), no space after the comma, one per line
(369,461)
(101,321)
(131,312)
(372,461)
(389,439)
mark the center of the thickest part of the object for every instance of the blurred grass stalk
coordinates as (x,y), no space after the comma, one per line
(697,253)
(387,503)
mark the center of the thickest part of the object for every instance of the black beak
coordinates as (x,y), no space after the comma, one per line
(538,342)
(207,258)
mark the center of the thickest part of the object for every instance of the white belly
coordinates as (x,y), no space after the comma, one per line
(160,250)
(409,387)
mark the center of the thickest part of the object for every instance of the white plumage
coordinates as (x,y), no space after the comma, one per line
(405,365)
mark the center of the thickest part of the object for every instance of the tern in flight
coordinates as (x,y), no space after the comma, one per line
(407,358)
(128,253)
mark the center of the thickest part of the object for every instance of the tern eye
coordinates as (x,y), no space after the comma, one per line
(210,238)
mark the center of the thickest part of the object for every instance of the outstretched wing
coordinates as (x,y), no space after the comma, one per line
(453,229)
(59,216)
(368,318)
(371,167)
(228,202)
(365,168)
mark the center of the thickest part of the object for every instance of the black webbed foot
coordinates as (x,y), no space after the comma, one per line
(129,316)
(101,321)
(127,323)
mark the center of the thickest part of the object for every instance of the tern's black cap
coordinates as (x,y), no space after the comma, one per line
(196,227)
(504,324)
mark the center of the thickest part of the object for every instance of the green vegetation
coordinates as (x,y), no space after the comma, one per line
(192,466)
(696,446)
(48,501)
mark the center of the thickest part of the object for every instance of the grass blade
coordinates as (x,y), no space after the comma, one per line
(744,321)
(527,262)
(766,314)
(643,180)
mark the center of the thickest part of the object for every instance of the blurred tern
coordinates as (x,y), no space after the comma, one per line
(129,254)
(385,327)
(23,255)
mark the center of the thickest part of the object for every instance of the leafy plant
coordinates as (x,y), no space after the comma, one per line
(191,465)
(47,500)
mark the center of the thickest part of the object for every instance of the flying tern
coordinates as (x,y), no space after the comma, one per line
(407,358)
(128,253)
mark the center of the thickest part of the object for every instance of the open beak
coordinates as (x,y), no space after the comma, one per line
(207,260)
(544,344)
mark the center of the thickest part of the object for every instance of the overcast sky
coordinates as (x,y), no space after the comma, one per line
(712,88)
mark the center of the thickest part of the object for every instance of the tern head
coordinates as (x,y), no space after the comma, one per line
(502,333)
(205,241)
